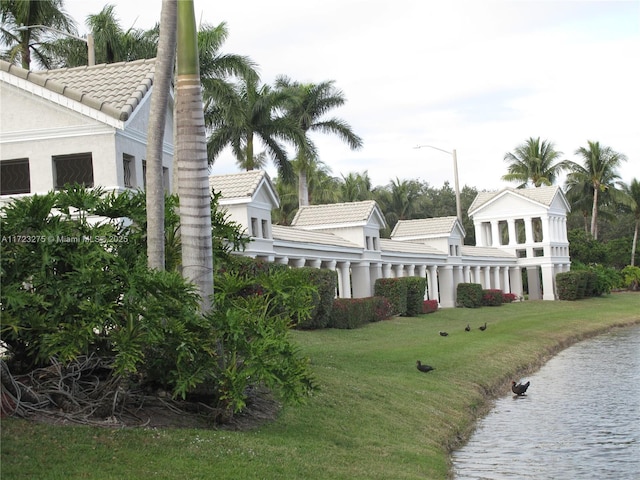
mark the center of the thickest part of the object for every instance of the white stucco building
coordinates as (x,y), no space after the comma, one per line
(88,125)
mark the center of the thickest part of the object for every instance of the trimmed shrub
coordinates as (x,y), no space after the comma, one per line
(509,297)
(429,306)
(325,282)
(492,297)
(394,290)
(469,295)
(348,313)
(568,285)
(416,287)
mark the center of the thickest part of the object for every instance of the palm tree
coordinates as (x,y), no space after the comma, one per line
(633,192)
(191,156)
(307,105)
(156,129)
(535,162)
(399,200)
(248,114)
(356,187)
(599,172)
(23,43)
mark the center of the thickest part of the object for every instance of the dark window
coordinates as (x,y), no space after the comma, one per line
(128,170)
(14,176)
(72,169)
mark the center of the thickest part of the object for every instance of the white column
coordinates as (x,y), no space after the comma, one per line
(511,227)
(495,234)
(546,234)
(282,260)
(528,230)
(515,277)
(487,277)
(386,271)
(315,262)
(433,283)
(480,240)
(477,278)
(361,280)
(422,273)
(398,271)
(506,288)
(548,282)
(410,269)
(447,291)
(344,279)
(495,283)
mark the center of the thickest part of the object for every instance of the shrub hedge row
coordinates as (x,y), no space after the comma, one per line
(578,284)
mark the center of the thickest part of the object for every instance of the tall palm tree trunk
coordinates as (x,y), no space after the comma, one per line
(191,154)
(303,188)
(594,213)
(156,130)
(635,242)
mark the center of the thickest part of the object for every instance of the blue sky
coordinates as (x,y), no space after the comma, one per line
(476,76)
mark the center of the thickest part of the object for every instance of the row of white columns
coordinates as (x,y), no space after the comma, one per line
(554,229)
(357,279)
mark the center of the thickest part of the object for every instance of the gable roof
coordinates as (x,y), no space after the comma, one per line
(242,187)
(338,214)
(115,89)
(424,227)
(543,195)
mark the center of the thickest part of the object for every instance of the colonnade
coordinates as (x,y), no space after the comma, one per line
(356,279)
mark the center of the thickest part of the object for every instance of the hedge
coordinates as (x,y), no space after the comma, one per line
(469,295)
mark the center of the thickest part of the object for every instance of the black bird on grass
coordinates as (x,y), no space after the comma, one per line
(423,368)
(520,389)
(467,328)
(483,327)
(443,334)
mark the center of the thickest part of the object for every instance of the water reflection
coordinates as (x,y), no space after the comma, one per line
(579,420)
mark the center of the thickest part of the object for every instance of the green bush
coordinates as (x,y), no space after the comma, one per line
(631,277)
(469,295)
(416,287)
(325,282)
(394,290)
(570,285)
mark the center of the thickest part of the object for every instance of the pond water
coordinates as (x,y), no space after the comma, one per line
(579,420)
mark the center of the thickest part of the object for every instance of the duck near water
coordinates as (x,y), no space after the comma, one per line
(423,368)
(483,327)
(443,334)
(467,328)
(520,389)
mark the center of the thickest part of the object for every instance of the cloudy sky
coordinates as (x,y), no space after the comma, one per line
(477,76)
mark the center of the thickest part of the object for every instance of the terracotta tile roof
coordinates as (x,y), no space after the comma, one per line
(423,227)
(354,213)
(115,89)
(543,195)
(241,185)
(298,235)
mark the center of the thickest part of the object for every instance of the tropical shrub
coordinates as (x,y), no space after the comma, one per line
(469,295)
(492,297)
(631,277)
(253,345)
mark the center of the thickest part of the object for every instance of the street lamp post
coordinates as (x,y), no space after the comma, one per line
(91,51)
(455,176)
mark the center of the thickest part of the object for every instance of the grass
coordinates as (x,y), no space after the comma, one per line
(375,417)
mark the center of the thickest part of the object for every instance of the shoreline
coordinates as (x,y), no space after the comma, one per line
(499,388)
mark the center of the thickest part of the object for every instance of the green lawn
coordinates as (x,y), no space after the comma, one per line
(375,417)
